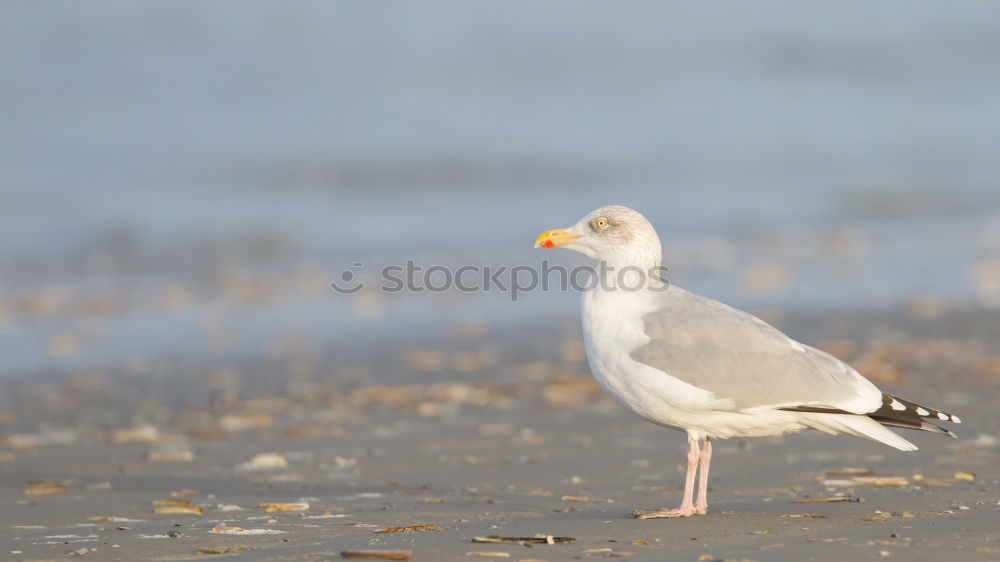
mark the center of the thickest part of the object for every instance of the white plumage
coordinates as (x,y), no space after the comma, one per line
(685,361)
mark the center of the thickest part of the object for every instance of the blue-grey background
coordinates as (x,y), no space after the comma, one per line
(183,178)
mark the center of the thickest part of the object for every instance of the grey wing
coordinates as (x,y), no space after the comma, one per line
(741,358)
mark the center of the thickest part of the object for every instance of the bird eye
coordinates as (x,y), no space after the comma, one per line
(601,223)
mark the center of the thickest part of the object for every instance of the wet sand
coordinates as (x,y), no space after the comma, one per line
(502,434)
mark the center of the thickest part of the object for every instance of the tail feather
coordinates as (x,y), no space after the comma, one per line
(894,412)
(859,426)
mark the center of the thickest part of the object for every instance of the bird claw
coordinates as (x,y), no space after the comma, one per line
(687,511)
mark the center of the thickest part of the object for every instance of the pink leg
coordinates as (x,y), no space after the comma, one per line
(687,504)
(701,506)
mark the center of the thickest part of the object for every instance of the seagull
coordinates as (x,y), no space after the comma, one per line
(688,362)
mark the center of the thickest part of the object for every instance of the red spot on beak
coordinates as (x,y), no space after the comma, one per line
(548,244)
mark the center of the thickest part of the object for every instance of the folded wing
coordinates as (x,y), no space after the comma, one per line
(746,362)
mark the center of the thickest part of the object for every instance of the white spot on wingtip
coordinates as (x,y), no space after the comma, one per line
(796,345)
(956,419)
(922,412)
(942,416)
(897,405)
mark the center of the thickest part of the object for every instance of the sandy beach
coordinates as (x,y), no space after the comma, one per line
(504,435)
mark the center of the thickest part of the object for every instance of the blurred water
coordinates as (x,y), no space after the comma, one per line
(851,149)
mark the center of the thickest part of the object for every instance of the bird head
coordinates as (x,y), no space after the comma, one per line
(614,234)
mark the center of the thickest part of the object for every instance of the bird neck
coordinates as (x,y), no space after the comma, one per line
(630,273)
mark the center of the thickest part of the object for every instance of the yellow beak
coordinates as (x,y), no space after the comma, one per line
(553,238)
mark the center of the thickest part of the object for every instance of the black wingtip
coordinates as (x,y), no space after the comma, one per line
(896,412)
